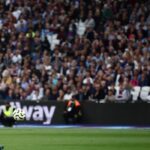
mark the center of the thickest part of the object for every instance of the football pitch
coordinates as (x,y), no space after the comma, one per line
(74,139)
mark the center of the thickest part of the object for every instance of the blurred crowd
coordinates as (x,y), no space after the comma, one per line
(99,45)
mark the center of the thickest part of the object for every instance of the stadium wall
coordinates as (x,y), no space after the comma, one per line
(137,114)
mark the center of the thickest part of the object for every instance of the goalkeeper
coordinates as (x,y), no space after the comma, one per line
(6,117)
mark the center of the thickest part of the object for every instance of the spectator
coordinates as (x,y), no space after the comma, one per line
(54,94)
(122,94)
(61,96)
(110,97)
(68,94)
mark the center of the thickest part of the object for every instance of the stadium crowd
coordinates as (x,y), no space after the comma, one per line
(51,50)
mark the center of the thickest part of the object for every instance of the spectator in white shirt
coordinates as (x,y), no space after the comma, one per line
(16,57)
(122,94)
(88,79)
(68,95)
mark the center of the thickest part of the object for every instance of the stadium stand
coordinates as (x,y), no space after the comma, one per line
(50,50)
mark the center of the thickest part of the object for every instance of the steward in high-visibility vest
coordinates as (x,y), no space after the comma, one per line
(73,102)
(6,117)
(72,112)
(8,111)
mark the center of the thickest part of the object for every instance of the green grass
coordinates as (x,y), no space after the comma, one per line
(74,139)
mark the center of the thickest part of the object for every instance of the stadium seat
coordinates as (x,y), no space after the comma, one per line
(144,93)
(135,93)
(148,98)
